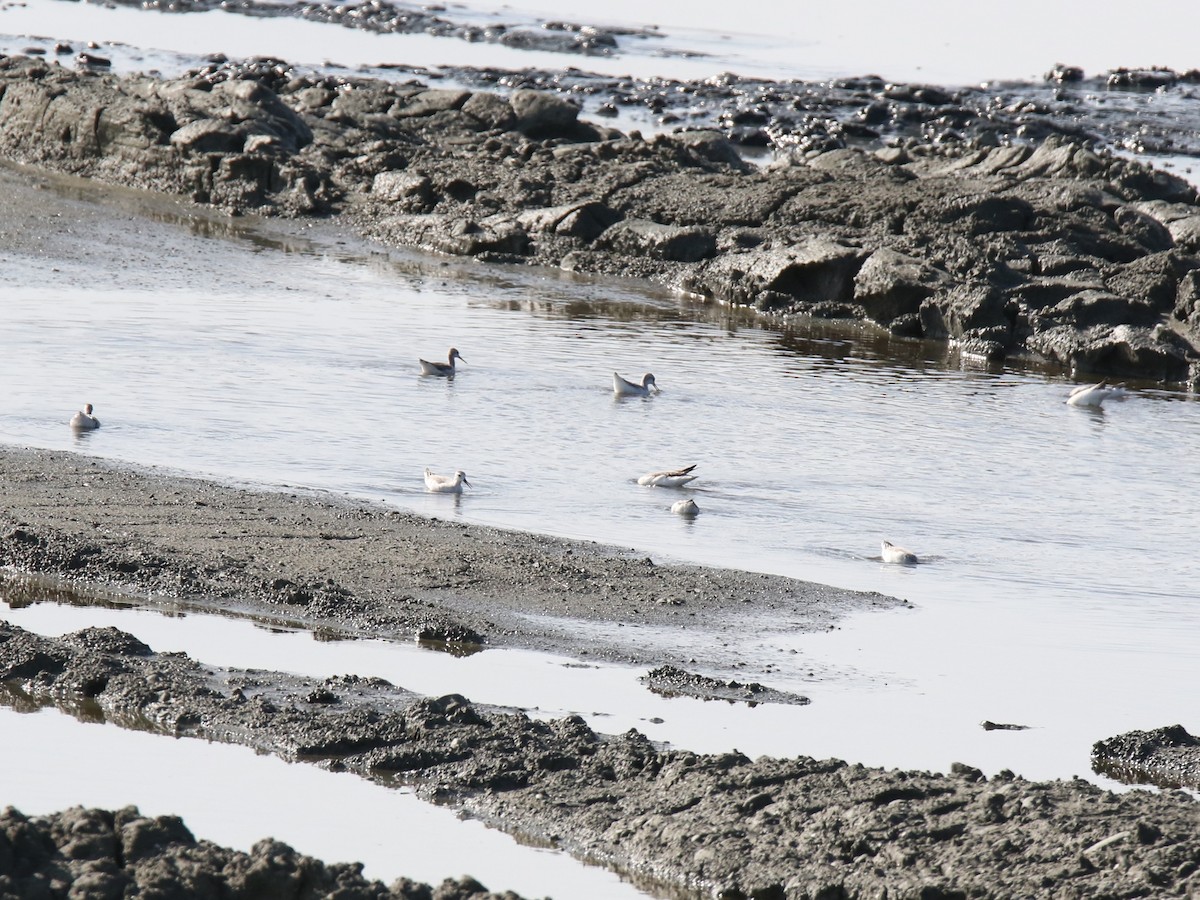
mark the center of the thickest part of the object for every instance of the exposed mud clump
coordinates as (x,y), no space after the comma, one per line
(713,824)
(1168,757)
(382,17)
(989,725)
(1046,246)
(101,853)
(671,681)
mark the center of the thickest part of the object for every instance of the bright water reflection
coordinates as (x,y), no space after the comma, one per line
(1059,588)
(235,797)
(851,716)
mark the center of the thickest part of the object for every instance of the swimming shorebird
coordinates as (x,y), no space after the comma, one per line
(445,484)
(898,555)
(84,420)
(676,478)
(446,369)
(1094,394)
(624,388)
(686,508)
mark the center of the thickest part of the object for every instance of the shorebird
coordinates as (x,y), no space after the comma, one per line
(898,555)
(446,484)
(446,369)
(686,508)
(1094,394)
(624,388)
(676,478)
(84,420)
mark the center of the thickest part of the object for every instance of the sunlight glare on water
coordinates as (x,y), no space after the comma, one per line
(236,797)
(1057,567)
(758,39)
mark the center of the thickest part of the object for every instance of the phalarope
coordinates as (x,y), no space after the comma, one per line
(898,555)
(84,420)
(1094,394)
(446,369)
(445,484)
(675,478)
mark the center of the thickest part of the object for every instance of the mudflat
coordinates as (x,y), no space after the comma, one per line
(327,562)
(676,821)
(1051,249)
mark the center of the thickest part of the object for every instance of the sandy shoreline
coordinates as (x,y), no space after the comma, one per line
(325,562)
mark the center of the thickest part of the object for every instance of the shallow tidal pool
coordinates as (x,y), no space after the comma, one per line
(1057,588)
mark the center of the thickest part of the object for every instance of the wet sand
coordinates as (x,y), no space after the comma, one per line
(329,563)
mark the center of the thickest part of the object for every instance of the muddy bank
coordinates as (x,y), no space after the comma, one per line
(716,825)
(352,569)
(1168,757)
(669,681)
(1047,248)
(121,853)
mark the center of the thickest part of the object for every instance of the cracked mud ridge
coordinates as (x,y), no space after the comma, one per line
(679,823)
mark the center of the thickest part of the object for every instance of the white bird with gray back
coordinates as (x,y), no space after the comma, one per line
(1094,394)
(686,508)
(445,484)
(897,555)
(674,478)
(84,420)
(446,369)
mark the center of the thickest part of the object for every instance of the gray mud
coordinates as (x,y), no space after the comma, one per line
(679,823)
(670,681)
(436,20)
(121,853)
(351,569)
(1018,243)
(1168,757)
(1048,249)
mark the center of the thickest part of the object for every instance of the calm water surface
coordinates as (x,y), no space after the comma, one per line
(336,817)
(1059,584)
(1059,578)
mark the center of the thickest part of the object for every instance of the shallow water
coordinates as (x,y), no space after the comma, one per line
(851,709)
(934,43)
(336,817)
(1058,589)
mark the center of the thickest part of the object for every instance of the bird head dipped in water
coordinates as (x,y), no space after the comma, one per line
(622,387)
(897,556)
(1094,395)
